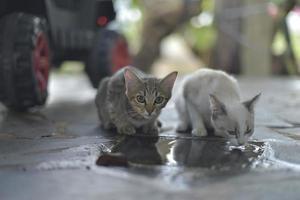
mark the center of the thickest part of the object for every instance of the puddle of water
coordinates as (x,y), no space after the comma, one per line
(210,154)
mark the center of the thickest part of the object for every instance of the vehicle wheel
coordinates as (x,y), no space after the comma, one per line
(109,54)
(24,61)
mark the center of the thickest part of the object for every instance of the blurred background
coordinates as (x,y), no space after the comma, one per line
(249,37)
(98,37)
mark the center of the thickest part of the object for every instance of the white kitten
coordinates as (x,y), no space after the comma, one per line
(209,100)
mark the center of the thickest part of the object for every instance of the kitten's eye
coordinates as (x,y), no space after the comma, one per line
(249,130)
(231,132)
(159,100)
(140,99)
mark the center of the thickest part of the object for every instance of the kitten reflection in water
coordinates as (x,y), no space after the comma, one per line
(215,154)
(140,150)
(212,154)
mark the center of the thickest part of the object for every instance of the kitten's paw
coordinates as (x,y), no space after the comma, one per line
(128,130)
(151,130)
(107,126)
(199,132)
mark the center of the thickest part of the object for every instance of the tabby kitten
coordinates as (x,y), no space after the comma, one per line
(131,99)
(210,102)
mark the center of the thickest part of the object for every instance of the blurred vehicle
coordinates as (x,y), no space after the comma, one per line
(38,34)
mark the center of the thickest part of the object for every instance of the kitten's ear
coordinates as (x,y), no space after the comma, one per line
(216,106)
(250,103)
(167,83)
(132,81)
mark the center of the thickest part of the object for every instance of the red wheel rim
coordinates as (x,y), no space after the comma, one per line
(41,61)
(120,55)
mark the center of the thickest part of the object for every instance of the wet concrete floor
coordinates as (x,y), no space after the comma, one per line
(51,153)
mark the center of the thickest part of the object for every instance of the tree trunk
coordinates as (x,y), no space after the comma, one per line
(226,54)
(244,37)
(161,18)
(257,31)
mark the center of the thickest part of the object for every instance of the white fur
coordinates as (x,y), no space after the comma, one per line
(194,105)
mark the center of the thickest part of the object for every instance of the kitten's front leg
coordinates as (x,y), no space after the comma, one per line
(198,127)
(107,125)
(116,114)
(199,131)
(184,118)
(120,121)
(221,134)
(150,128)
(126,128)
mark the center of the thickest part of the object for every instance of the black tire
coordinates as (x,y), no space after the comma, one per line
(109,54)
(24,61)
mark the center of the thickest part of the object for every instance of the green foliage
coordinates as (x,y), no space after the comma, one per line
(201,39)
(279,44)
(132,28)
(296,45)
(278,2)
(132,33)
(208,5)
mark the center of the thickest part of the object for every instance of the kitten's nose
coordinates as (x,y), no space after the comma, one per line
(241,140)
(149,113)
(149,110)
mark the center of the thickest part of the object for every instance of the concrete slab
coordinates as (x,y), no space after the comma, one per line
(51,153)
